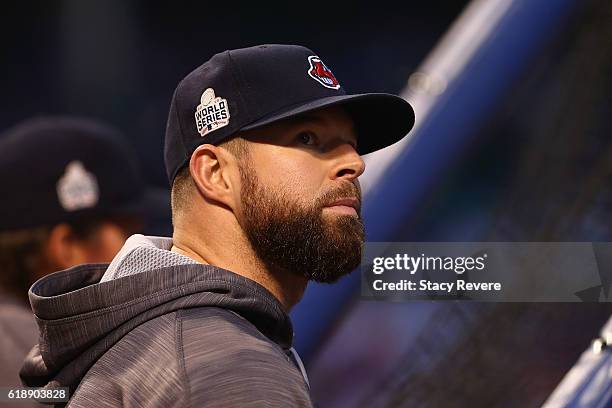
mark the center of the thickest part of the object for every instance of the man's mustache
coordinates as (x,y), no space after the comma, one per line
(347,190)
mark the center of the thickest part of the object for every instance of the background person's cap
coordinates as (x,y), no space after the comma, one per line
(251,87)
(59,169)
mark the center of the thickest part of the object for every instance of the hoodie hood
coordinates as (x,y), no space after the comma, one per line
(80,316)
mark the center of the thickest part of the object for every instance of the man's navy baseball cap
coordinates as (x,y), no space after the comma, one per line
(60,169)
(247,88)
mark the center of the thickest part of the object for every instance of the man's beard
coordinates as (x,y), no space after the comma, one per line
(289,236)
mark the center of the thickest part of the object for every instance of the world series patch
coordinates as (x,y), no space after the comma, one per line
(77,188)
(212,113)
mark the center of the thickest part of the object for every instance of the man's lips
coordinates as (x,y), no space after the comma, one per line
(349,206)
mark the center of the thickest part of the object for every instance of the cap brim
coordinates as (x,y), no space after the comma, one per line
(153,207)
(380,119)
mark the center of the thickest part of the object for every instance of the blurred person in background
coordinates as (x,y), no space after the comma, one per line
(71,193)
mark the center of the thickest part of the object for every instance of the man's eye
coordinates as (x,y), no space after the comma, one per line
(307,138)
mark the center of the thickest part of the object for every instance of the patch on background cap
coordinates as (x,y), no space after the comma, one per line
(77,188)
(323,75)
(212,113)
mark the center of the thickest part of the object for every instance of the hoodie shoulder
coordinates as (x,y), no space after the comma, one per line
(203,356)
(228,362)
(140,370)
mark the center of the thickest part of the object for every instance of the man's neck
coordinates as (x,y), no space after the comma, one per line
(286,286)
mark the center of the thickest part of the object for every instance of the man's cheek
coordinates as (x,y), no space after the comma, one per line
(298,189)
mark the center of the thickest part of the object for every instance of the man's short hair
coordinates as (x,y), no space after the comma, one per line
(183,186)
(20,256)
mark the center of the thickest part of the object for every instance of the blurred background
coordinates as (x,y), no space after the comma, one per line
(512,143)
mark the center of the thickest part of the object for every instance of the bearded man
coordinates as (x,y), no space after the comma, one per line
(263,150)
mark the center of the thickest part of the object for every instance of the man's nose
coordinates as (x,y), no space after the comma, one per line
(348,164)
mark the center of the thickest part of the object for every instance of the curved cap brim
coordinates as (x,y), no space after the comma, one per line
(380,119)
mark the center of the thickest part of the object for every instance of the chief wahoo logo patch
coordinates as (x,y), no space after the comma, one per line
(321,73)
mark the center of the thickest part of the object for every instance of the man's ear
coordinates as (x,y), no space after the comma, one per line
(215,173)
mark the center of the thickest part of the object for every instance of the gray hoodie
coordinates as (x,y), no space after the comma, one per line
(156,329)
